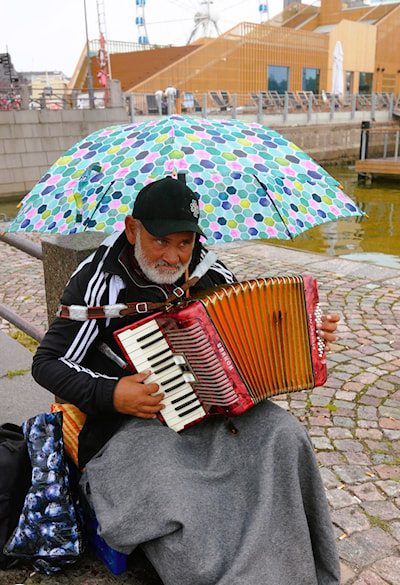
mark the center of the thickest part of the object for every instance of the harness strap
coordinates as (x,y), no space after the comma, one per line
(82,313)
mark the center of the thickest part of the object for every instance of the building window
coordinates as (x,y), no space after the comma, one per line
(310,80)
(365,83)
(349,82)
(278,78)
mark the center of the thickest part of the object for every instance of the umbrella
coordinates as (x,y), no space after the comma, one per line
(337,74)
(252,182)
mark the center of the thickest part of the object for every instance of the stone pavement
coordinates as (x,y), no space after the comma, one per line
(354,419)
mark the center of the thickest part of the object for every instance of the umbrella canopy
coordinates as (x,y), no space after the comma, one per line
(337,73)
(252,182)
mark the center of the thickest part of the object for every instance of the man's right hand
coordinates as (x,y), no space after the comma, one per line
(132,396)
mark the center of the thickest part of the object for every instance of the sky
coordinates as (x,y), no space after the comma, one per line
(48,35)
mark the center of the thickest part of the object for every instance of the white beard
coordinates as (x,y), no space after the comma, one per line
(152,270)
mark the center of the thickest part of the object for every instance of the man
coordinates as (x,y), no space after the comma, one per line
(208,506)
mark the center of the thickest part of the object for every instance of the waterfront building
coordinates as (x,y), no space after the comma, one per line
(292,52)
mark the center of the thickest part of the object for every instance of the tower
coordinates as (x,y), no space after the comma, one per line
(143,38)
(103,55)
(264,11)
(204,21)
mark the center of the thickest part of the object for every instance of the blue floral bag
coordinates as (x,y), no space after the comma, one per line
(48,534)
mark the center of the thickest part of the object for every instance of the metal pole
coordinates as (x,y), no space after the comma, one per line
(234,106)
(89,76)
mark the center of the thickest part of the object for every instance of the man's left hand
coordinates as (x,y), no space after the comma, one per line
(327,328)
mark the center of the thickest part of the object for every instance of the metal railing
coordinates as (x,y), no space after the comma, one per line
(371,139)
(206,103)
(261,104)
(8,314)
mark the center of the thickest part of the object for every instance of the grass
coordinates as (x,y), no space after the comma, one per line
(13,373)
(24,340)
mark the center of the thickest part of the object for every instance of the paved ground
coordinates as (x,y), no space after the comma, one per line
(354,419)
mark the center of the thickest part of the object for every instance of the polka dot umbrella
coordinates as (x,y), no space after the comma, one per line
(252,182)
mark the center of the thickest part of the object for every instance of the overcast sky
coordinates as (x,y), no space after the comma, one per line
(50,35)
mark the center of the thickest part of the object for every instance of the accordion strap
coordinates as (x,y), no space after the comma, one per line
(82,313)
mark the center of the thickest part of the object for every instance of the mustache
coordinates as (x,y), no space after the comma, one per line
(163,263)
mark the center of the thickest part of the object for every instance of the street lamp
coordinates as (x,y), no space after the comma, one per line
(89,75)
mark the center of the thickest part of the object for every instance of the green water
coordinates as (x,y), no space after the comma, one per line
(375,240)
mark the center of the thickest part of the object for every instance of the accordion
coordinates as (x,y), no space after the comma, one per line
(230,347)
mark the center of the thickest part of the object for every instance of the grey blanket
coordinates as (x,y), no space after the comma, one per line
(215,508)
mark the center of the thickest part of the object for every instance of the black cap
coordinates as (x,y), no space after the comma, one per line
(167,206)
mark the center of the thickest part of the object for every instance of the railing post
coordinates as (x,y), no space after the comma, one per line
(353,106)
(234,106)
(396,148)
(332,112)
(391,103)
(385,145)
(310,107)
(259,108)
(365,125)
(286,107)
(132,107)
(373,106)
(204,106)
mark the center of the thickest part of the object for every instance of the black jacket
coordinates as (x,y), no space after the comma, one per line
(69,363)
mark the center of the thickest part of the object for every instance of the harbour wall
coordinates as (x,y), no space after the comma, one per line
(31,141)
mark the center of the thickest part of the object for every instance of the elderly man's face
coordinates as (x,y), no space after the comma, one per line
(162,260)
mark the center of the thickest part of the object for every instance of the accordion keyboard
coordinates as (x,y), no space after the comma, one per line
(148,350)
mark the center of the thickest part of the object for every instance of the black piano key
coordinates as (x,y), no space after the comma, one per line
(156,355)
(177,377)
(195,399)
(152,342)
(176,400)
(167,366)
(162,361)
(174,387)
(149,334)
(182,414)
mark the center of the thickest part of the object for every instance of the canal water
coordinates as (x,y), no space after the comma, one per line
(375,240)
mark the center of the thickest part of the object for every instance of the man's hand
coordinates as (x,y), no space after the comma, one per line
(327,328)
(132,396)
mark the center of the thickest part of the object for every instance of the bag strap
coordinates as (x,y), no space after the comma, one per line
(82,313)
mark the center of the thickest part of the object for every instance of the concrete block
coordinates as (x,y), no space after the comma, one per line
(34,159)
(66,142)
(6,117)
(15,145)
(61,255)
(30,174)
(95,116)
(13,189)
(69,116)
(117,116)
(41,131)
(5,130)
(53,156)
(10,161)
(50,117)
(56,129)
(26,117)
(23,130)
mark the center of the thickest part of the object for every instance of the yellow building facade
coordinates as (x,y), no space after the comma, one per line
(290,53)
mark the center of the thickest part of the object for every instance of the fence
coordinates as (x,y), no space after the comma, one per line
(306,105)
(212,103)
(8,314)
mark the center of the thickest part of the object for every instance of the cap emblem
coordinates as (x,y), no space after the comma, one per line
(194,208)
